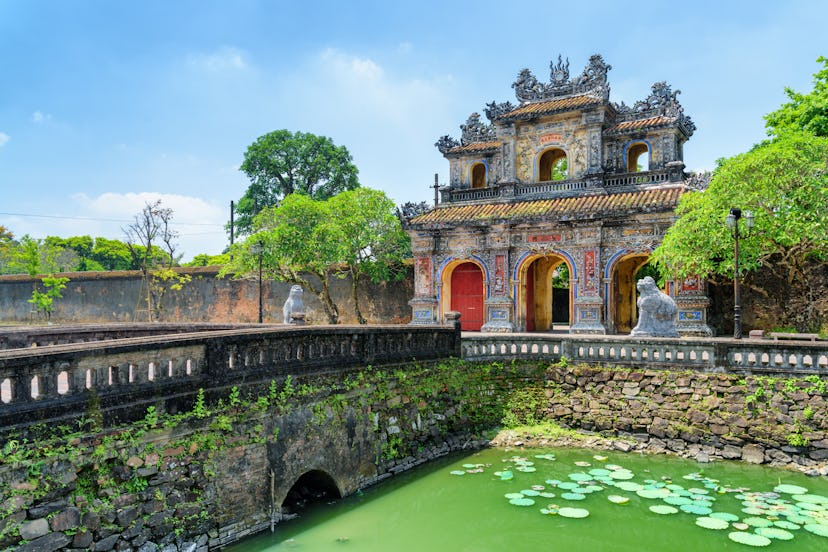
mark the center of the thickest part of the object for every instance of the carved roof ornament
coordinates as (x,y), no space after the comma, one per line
(494,110)
(662,101)
(475,131)
(592,80)
(445,143)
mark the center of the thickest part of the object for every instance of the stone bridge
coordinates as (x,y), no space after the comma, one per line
(330,444)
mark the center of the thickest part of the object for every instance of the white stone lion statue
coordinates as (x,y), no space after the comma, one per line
(656,311)
(293,303)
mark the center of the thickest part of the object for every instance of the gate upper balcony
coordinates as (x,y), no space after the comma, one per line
(550,189)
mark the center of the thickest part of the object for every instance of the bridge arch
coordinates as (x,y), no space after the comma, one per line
(310,487)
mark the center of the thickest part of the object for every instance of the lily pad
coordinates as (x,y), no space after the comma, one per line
(663,509)
(599,472)
(750,539)
(817,529)
(526,469)
(546,494)
(790,489)
(757,522)
(575,513)
(782,524)
(622,474)
(653,493)
(522,501)
(696,509)
(726,516)
(573,496)
(529,492)
(775,533)
(631,486)
(458,472)
(553,482)
(812,499)
(754,511)
(582,464)
(809,507)
(568,485)
(712,523)
(618,499)
(512,496)
(580,476)
(506,475)
(600,458)
(677,500)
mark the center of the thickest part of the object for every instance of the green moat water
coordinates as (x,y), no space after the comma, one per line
(431,509)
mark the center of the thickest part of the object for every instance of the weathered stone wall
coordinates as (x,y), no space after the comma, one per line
(201,479)
(92,297)
(779,421)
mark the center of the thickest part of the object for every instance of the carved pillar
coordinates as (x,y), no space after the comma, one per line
(424,305)
(692,302)
(506,134)
(593,121)
(499,305)
(588,311)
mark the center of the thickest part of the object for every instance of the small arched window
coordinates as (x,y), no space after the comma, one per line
(638,157)
(552,165)
(478,176)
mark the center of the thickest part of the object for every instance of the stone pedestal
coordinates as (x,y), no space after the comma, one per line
(423,311)
(588,316)
(499,315)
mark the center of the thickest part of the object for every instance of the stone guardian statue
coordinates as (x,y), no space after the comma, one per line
(293,304)
(656,311)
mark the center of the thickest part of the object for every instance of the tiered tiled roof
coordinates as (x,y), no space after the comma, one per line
(548,107)
(476,147)
(656,199)
(650,122)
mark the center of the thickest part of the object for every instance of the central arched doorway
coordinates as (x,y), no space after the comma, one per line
(625,275)
(546,293)
(467,295)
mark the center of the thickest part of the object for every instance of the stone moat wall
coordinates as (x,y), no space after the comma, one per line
(223,470)
(119,296)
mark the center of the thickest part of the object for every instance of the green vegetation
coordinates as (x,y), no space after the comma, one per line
(282,163)
(783,181)
(355,233)
(43,301)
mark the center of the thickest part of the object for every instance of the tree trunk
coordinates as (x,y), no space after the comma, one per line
(355,297)
(330,307)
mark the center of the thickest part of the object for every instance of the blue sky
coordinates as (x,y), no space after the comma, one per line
(107,104)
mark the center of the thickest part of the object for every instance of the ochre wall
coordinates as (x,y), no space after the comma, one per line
(100,297)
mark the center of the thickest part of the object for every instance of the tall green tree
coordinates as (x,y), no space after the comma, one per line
(805,112)
(784,183)
(354,234)
(372,243)
(292,239)
(281,163)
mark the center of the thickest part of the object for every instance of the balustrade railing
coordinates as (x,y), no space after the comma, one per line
(553,188)
(48,382)
(744,356)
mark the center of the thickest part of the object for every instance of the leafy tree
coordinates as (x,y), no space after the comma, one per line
(806,112)
(203,259)
(281,163)
(112,255)
(371,239)
(150,227)
(293,237)
(43,301)
(356,233)
(784,183)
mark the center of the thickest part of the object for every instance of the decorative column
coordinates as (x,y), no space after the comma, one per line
(424,306)
(588,311)
(692,302)
(499,305)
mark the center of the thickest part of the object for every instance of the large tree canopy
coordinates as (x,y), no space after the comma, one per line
(355,233)
(807,112)
(281,163)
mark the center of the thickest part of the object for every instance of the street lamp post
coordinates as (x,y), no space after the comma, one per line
(732,222)
(257,249)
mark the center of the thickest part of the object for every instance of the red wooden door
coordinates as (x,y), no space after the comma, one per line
(467,295)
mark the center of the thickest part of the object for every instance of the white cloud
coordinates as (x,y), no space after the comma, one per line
(226,58)
(4,138)
(39,117)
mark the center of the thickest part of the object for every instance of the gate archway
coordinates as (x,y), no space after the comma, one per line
(624,313)
(540,301)
(466,289)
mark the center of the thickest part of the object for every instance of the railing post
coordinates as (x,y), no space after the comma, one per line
(453,319)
